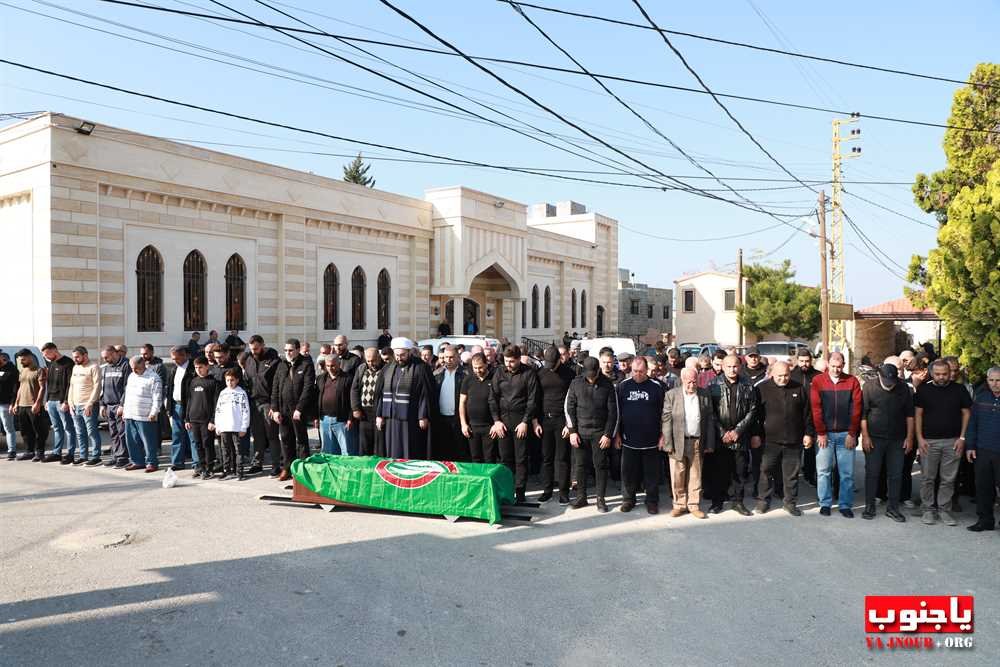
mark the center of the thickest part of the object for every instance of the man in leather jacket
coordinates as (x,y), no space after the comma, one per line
(736,407)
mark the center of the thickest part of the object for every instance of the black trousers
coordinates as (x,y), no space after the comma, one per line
(482,448)
(294,440)
(203,441)
(230,451)
(34,429)
(514,454)
(731,478)
(449,442)
(555,453)
(779,461)
(906,483)
(590,450)
(265,436)
(887,455)
(753,474)
(641,466)
(809,464)
(987,467)
(371,441)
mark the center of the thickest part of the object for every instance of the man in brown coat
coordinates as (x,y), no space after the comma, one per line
(689,431)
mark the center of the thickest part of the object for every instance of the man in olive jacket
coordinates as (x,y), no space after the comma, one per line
(689,431)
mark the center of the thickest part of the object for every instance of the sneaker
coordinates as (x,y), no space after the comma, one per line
(96,461)
(206,474)
(11,456)
(715,509)
(197,473)
(627,506)
(546,496)
(652,508)
(847,513)
(761,508)
(602,506)
(698,514)
(111,463)
(79,462)
(241,475)
(741,509)
(224,475)
(896,516)
(52,458)
(564,499)
(909,504)
(869,512)
(929,518)
(580,502)
(38,458)
(26,456)
(678,512)
(255,469)
(792,509)
(947,519)
(824,511)
(121,465)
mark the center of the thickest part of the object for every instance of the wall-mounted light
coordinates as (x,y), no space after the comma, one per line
(85,127)
(498,204)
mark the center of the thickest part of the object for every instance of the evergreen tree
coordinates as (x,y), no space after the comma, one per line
(357,172)
(776,304)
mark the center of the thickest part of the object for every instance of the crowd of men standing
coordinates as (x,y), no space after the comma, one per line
(723,427)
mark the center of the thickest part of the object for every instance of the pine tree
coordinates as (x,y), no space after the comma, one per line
(776,304)
(357,172)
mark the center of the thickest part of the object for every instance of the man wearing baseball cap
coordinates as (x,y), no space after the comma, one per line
(592,420)
(886,436)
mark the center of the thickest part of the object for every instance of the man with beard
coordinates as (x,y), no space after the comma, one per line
(404,402)
(886,437)
(370,439)
(553,381)
(755,369)
(513,404)
(803,373)
(592,420)
(474,411)
(736,405)
(259,370)
(452,445)
(293,396)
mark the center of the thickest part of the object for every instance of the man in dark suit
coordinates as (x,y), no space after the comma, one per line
(689,432)
(449,443)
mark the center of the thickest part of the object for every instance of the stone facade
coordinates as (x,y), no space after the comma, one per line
(644,312)
(79,209)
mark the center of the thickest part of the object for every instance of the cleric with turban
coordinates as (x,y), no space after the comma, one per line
(404,402)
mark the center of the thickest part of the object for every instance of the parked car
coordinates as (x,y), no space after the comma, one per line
(780,350)
(689,349)
(467,341)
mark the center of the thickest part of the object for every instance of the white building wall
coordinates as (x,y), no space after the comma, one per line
(710,322)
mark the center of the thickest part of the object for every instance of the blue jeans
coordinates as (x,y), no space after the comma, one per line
(835,450)
(7,420)
(142,439)
(86,428)
(180,439)
(334,436)
(62,429)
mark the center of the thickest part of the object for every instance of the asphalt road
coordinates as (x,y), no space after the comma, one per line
(99,566)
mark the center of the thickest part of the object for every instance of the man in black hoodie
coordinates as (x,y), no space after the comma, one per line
(592,420)
(803,373)
(292,402)
(258,374)
(513,404)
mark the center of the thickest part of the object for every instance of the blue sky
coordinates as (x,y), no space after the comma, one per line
(922,37)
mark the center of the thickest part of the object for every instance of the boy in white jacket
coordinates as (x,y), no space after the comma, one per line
(232,419)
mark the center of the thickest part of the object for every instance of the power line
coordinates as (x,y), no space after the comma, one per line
(727,42)
(565,70)
(715,98)
(889,210)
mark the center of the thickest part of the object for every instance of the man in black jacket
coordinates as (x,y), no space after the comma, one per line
(292,398)
(178,379)
(370,439)
(553,381)
(58,373)
(887,428)
(449,442)
(513,404)
(736,408)
(592,420)
(786,424)
(803,373)
(258,374)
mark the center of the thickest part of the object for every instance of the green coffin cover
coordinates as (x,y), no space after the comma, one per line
(473,490)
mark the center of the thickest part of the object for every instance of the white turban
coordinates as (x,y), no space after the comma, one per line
(400,343)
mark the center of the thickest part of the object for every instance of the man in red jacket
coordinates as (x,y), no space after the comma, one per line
(835,399)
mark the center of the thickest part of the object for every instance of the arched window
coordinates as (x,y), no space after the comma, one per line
(331,300)
(236,293)
(384,284)
(600,320)
(573,307)
(149,290)
(583,309)
(524,314)
(194,291)
(534,307)
(358,298)
(548,308)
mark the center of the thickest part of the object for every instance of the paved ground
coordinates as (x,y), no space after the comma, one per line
(99,566)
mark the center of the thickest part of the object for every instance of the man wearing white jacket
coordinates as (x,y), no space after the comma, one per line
(232,419)
(141,410)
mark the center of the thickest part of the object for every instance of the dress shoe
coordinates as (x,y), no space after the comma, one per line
(546,496)
(825,511)
(602,506)
(110,463)
(698,514)
(96,461)
(255,469)
(38,458)
(151,468)
(792,509)
(63,460)
(741,509)
(896,516)
(133,466)
(79,462)
(869,512)
(847,513)
(761,508)
(52,458)
(519,496)
(27,456)
(580,502)
(121,465)
(678,511)
(652,508)
(627,506)
(11,456)
(979,527)
(715,509)
(284,476)
(178,467)
(564,499)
